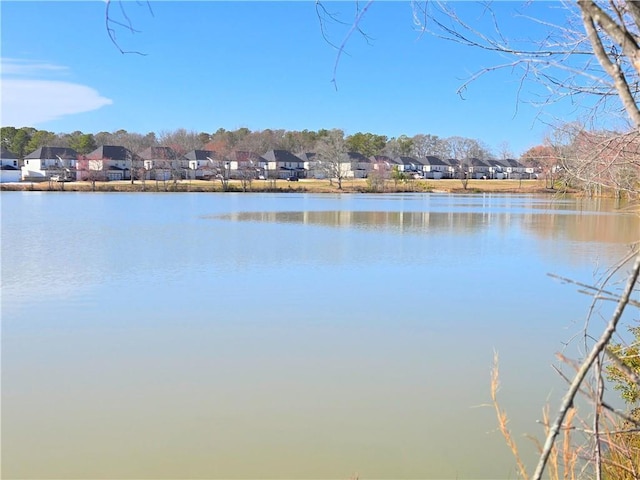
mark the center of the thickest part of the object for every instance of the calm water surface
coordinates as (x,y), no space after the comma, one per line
(286,336)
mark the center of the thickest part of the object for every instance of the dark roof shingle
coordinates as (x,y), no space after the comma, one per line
(43,153)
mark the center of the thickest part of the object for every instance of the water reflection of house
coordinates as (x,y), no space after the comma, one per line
(47,162)
(9,167)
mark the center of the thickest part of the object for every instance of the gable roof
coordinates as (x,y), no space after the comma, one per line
(158,153)
(431,160)
(382,159)
(510,162)
(281,156)
(243,156)
(43,153)
(111,152)
(407,160)
(477,162)
(306,156)
(358,157)
(4,153)
(201,155)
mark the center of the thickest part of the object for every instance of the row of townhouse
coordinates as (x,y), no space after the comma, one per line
(110,162)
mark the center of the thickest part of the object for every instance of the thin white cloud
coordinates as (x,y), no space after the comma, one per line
(15,66)
(31,102)
(28,101)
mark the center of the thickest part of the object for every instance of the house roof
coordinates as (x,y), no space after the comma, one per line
(358,157)
(431,160)
(407,160)
(43,153)
(158,153)
(476,162)
(382,159)
(281,156)
(201,155)
(4,153)
(306,156)
(481,162)
(510,162)
(112,152)
(244,156)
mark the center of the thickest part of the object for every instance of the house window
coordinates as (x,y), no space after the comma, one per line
(15,163)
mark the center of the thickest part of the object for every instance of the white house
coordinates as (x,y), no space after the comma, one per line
(46,162)
(478,168)
(409,165)
(200,164)
(514,169)
(161,163)
(434,167)
(310,164)
(382,163)
(283,164)
(9,167)
(360,166)
(244,164)
(108,162)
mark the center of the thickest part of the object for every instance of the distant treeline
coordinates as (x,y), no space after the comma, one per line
(22,141)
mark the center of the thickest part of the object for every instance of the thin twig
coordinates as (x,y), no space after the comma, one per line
(567,401)
(109,21)
(354,27)
(596,417)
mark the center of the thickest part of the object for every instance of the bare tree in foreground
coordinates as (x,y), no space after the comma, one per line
(601,63)
(592,53)
(332,158)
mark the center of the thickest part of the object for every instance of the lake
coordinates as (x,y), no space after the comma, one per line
(241,336)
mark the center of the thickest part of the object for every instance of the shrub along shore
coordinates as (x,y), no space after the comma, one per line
(302,186)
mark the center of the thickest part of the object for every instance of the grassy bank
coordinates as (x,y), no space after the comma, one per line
(308,186)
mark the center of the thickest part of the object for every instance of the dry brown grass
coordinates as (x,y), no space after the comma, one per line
(563,461)
(304,185)
(573,457)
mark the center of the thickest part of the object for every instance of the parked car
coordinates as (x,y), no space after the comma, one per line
(292,179)
(60,178)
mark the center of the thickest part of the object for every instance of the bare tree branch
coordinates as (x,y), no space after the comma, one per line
(591,14)
(597,349)
(110,22)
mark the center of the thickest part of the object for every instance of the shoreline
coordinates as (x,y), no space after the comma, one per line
(302,186)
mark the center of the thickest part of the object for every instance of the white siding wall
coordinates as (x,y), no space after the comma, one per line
(10,176)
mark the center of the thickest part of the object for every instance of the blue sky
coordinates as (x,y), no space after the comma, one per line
(257,65)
